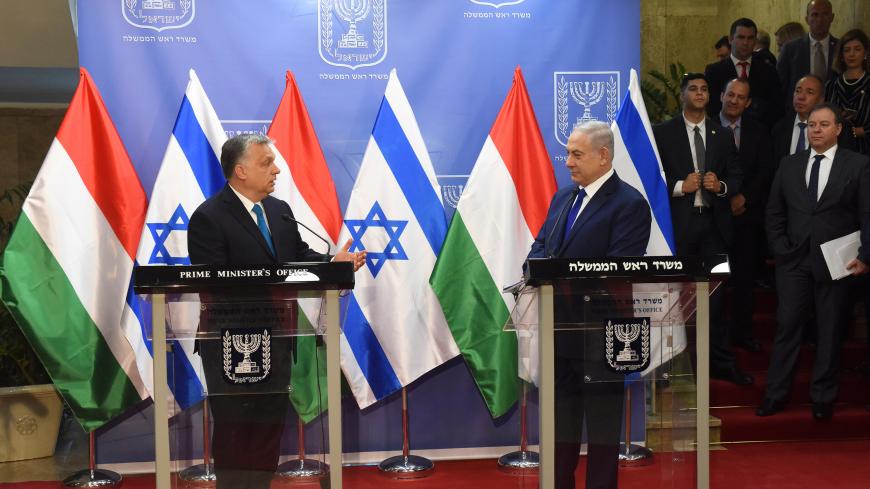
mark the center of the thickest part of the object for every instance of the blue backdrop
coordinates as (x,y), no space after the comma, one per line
(455,59)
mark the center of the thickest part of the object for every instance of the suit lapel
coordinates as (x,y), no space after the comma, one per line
(835,178)
(243,217)
(804,54)
(683,144)
(593,206)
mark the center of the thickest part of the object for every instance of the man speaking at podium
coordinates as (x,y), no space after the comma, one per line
(598,216)
(243,225)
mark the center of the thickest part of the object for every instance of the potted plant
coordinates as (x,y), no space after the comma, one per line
(30,408)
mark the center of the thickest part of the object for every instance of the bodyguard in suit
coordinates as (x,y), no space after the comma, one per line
(809,54)
(243,225)
(817,195)
(747,207)
(598,215)
(767,103)
(702,173)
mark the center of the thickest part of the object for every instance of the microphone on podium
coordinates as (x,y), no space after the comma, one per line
(288,218)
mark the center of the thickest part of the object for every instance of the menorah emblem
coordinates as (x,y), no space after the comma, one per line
(586,94)
(246,344)
(626,333)
(352,11)
(451,194)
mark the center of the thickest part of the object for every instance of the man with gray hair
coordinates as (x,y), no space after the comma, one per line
(598,215)
(243,225)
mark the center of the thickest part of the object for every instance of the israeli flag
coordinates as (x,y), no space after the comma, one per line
(190,173)
(637,162)
(394,329)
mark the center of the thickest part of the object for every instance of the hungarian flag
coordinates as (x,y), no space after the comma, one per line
(305,183)
(65,275)
(503,206)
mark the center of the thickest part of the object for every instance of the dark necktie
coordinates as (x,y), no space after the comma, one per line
(743,72)
(572,214)
(802,138)
(701,159)
(264,229)
(813,186)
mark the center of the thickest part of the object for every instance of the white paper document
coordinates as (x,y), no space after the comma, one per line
(838,252)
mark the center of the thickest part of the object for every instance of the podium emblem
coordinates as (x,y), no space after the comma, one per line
(247,355)
(627,344)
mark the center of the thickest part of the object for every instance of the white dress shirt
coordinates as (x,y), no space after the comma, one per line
(249,206)
(737,67)
(690,130)
(795,134)
(590,191)
(824,169)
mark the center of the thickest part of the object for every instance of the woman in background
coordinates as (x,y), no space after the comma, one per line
(849,90)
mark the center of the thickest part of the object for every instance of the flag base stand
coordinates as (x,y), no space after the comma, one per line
(521,461)
(92,476)
(302,469)
(406,466)
(201,475)
(631,455)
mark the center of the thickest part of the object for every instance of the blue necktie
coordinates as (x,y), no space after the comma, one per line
(802,139)
(264,229)
(813,186)
(572,214)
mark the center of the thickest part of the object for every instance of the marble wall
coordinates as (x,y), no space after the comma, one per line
(686,30)
(25,136)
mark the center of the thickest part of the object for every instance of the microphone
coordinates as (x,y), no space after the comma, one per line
(559,218)
(287,218)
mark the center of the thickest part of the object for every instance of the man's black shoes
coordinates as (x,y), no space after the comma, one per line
(732,375)
(822,410)
(769,407)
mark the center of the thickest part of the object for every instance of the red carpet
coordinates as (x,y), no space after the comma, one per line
(735,405)
(800,465)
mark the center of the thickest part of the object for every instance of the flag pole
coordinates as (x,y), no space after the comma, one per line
(522,460)
(406,466)
(631,455)
(92,476)
(202,475)
(303,469)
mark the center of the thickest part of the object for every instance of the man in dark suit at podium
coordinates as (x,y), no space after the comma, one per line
(598,215)
(243,225)
(818,195)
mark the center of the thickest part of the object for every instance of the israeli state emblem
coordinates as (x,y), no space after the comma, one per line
(626,344)
(247,355)
(581,96)
(352,33)
(158,15)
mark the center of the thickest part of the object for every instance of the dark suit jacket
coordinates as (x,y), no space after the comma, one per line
(780,138)
(767,102)
(615,222)
(794,63)
(764,55)
(755,157)
(221,231)
(796,225)
(672,141)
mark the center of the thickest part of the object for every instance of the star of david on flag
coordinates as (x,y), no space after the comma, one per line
(394,329)
(160,232)
(190,172)
(393,228)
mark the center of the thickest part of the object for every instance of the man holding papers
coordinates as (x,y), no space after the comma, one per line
(818,195)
